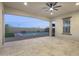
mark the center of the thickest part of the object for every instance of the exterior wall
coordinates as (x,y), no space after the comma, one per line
(74,25)
(1,24)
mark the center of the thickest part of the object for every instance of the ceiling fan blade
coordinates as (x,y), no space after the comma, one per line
(49,4)
(56,6)
(55,3)
(56,9)
(45,8)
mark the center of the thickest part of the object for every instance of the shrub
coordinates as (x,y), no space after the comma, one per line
(9,34)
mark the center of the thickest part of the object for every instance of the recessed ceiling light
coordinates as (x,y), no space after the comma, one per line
(77,3)
(25,3)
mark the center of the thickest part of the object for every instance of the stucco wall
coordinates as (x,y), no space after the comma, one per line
(74,25)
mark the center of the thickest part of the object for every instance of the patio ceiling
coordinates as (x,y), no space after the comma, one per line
(36,8)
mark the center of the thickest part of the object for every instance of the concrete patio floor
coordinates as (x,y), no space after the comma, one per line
(42,46)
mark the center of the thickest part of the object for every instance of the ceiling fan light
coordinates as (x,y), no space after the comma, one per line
(51,13)
(25,3)
(51,9)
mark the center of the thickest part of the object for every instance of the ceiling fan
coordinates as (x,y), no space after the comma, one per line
(51,6)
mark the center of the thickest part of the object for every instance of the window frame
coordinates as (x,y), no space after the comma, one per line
(67,32)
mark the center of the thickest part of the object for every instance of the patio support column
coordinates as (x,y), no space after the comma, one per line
(50,28)
(1,25)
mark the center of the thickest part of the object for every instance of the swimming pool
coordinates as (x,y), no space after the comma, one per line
(28,35)
(32,34)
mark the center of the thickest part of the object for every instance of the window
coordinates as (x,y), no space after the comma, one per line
(66,25)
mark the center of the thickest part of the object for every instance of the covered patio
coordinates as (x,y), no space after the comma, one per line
(65,42)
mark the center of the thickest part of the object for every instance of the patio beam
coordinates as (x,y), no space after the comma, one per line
(1,24)
(50,28)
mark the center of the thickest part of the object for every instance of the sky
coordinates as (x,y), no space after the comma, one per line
(25,22)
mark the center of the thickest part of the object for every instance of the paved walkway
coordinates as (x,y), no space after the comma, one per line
(42,46)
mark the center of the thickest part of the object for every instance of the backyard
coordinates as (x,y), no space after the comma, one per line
(14,32)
